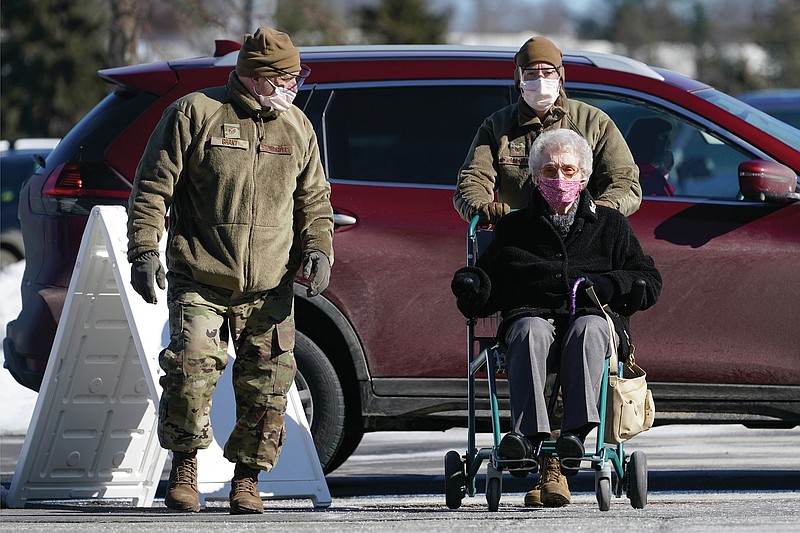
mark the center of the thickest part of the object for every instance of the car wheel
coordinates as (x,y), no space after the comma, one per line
(322,398)
(351,440)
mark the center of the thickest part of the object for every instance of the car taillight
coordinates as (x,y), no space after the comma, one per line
(68,182)
(74,188)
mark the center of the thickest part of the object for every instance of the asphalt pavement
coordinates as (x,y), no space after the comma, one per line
(701,478)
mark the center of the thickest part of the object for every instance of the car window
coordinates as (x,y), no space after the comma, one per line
(312,101)
(405,134)
(774,127)
(91,142)
(676,157)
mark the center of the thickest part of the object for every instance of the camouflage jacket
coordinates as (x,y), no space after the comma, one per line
(244,187)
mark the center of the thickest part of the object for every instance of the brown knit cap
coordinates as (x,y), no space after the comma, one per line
(538,49)
(267,53)
(534,50)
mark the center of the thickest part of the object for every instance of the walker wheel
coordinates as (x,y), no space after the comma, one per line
(454,479)
(602,486)
(637,480)
(493,493)
(604,494)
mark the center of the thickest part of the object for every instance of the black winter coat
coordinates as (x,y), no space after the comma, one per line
(531,269)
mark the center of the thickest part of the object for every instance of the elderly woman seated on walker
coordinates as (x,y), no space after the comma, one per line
(528,274)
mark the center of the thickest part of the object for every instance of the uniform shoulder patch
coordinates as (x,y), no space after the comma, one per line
(232,131)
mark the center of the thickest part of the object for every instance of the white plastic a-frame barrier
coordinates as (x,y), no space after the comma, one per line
(93,430)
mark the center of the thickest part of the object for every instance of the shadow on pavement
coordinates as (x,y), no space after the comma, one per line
(659,481)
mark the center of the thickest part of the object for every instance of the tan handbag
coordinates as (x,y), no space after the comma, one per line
(630,409)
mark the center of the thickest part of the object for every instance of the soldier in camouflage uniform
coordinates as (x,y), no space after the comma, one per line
(238,169)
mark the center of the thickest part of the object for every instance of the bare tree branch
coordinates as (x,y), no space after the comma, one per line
(123,31)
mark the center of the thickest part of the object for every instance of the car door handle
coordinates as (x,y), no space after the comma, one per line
(343,220)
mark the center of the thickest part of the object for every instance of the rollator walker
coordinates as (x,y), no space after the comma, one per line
(608,461)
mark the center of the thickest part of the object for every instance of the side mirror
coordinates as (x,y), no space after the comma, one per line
(768,181)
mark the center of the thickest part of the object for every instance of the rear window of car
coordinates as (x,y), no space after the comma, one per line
(401,134)
(90,138)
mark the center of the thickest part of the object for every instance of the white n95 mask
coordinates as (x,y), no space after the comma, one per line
(540,93)
(280,100)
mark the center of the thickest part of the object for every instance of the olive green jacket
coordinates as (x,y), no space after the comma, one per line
(498,157)
(244,187)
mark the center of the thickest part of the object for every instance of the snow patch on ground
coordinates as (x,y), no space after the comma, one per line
(16,402)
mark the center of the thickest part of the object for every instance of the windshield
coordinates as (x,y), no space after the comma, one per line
(759,119)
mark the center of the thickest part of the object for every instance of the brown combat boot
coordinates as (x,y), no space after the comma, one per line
(182,490)
(554,487)
(244,496)
(533,498)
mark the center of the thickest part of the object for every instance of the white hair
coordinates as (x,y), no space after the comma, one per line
(557,142)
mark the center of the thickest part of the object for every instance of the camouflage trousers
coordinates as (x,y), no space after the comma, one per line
(261,327)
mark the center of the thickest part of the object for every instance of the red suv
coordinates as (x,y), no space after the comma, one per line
(384,347)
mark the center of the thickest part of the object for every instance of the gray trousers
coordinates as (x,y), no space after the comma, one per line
(532,352)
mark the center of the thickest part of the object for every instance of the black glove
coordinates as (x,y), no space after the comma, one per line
(317,270)
(471,287)
(144,269)
(465,284)
(491,212)
(634,300)
(603,288)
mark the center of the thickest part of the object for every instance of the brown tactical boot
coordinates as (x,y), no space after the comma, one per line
(554,487)
(533,498)
(244,495)
(182,490)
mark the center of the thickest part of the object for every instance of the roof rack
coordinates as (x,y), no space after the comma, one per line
(618,63)
(390,51)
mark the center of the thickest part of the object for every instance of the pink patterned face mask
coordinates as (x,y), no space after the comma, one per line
(560,193)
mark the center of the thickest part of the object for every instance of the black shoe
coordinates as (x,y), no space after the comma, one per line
(570,453)
(514,453)
(514,446)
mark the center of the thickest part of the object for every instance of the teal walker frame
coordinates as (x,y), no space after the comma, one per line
(608,461)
